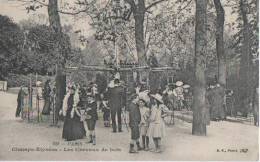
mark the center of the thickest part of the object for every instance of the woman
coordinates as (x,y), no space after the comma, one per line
(20,102)
(46,96)
(73,128)
(157,126)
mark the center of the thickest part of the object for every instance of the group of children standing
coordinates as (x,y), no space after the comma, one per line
(146,113)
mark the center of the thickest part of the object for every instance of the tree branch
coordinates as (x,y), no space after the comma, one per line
(72,13)
(153,4)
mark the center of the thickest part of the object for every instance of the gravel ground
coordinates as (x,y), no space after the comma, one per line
(21,140)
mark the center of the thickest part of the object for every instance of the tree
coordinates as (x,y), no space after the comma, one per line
(220,43)
(199,106)
(246,45)
(11,41)
(55,24)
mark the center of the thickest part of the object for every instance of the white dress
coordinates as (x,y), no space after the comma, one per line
(157,126)
(145,113)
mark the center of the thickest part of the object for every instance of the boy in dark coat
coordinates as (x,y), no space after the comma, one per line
(134,121)
(91,118)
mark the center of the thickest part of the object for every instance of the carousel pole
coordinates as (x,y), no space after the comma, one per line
(37,100)
(30,101)
(54,122)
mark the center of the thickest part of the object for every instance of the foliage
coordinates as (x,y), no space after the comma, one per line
(11,41)
(16,80)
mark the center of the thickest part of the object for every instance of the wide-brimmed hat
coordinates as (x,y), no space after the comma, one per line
(179,83)
(158,97)
(89,95)
(144,96)
(186,86)
(38,83)
(117,75)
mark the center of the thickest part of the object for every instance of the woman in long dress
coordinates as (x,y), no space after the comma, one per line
(73,127)
(46,96)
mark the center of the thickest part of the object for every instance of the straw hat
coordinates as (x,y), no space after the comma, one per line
(158,97)
(117,75)
(111,84)
(186,86)
(144,96)
(38,83)
(179,83)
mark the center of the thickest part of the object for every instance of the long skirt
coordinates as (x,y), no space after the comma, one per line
(73,128)
(47,107)
(156,130)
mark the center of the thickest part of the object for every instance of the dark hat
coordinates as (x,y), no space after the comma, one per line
(133,96)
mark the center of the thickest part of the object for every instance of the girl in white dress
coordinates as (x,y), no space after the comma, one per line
(144,125)
(157,126)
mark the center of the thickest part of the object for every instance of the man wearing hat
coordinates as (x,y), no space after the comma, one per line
(116,101)
(134,121)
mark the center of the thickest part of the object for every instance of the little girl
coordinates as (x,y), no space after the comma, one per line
(157,126)
(145,113)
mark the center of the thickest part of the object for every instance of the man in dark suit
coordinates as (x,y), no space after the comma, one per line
(116,101)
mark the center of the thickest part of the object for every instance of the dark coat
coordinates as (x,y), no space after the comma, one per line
(134,115)
(93,110)
(217,103)
(73,128)
(116,97)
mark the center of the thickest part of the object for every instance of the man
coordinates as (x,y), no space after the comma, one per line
(134,121)
(217,103)
(116,101)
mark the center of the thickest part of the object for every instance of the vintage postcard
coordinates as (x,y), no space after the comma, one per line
(129,80)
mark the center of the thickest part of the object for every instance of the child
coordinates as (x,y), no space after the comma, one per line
(145,114)
(105,109)
(157,126)
(134,121)
(91,118)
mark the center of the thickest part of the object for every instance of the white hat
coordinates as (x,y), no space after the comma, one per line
(38,83)
(158,97)
(144,96)
(186,86)
(111,84)
(117,75)
(179,83)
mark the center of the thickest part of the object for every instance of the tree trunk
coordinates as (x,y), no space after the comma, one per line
(55,24)
(139,12)
(199,105)
(245,64)
(220,43)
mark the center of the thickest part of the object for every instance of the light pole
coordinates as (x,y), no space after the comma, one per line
(117,16)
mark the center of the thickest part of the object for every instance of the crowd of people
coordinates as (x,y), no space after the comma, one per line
(146,110)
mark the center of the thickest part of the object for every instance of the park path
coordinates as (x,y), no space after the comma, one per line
(179,144)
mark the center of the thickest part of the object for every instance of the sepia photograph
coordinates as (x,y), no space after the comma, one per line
(129,80)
